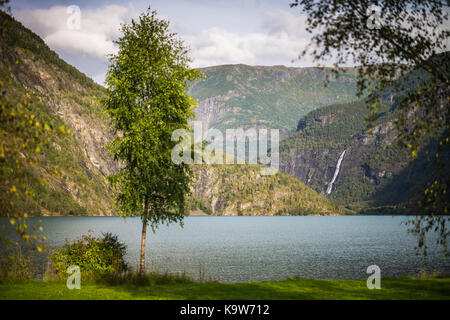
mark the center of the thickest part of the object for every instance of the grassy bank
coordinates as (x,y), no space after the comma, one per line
(402,288)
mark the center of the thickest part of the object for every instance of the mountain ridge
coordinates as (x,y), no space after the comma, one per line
(75,165)
(242,96)
(376,172)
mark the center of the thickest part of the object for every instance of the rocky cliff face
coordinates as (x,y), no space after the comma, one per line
(76,105)
(316,167)
(241,96)
(304,165)
(75,164)
(373,163)
(241,190)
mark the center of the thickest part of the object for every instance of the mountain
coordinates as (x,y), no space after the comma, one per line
(67,176)
(242,96)
(374,170)
(242,190)
(312,153)
(72,166)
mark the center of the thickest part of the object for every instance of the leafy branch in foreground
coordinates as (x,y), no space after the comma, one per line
(400,46)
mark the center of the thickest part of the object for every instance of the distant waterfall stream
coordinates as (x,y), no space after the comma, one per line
(336,172)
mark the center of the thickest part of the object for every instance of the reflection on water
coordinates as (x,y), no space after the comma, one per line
(264,248)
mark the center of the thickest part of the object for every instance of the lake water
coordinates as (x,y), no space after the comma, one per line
(264,248)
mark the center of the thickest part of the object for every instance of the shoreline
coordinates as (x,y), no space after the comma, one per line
(236,216)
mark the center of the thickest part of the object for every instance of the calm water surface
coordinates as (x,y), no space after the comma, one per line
(264,248)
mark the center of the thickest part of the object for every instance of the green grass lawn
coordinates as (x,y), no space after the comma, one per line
(402,288)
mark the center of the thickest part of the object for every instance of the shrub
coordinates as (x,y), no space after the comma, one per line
(95,256)
(15,265)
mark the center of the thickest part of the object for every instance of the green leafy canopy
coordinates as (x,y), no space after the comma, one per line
(147,85)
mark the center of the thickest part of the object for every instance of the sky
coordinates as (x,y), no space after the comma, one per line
(254,32)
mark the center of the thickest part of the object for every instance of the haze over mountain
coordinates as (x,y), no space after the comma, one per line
(241,96)
(319,124)
(74,165)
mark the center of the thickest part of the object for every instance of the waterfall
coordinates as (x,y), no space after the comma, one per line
(336,172)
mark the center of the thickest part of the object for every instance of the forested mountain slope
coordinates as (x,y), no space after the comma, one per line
(242,96)
(375,171)
(67,176)
(70,176)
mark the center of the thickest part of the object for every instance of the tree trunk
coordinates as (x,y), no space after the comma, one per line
(143,240)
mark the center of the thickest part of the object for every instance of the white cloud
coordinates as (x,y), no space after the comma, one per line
(91,43)
(281,39)
(98,28)
(283,21)
(278,39)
